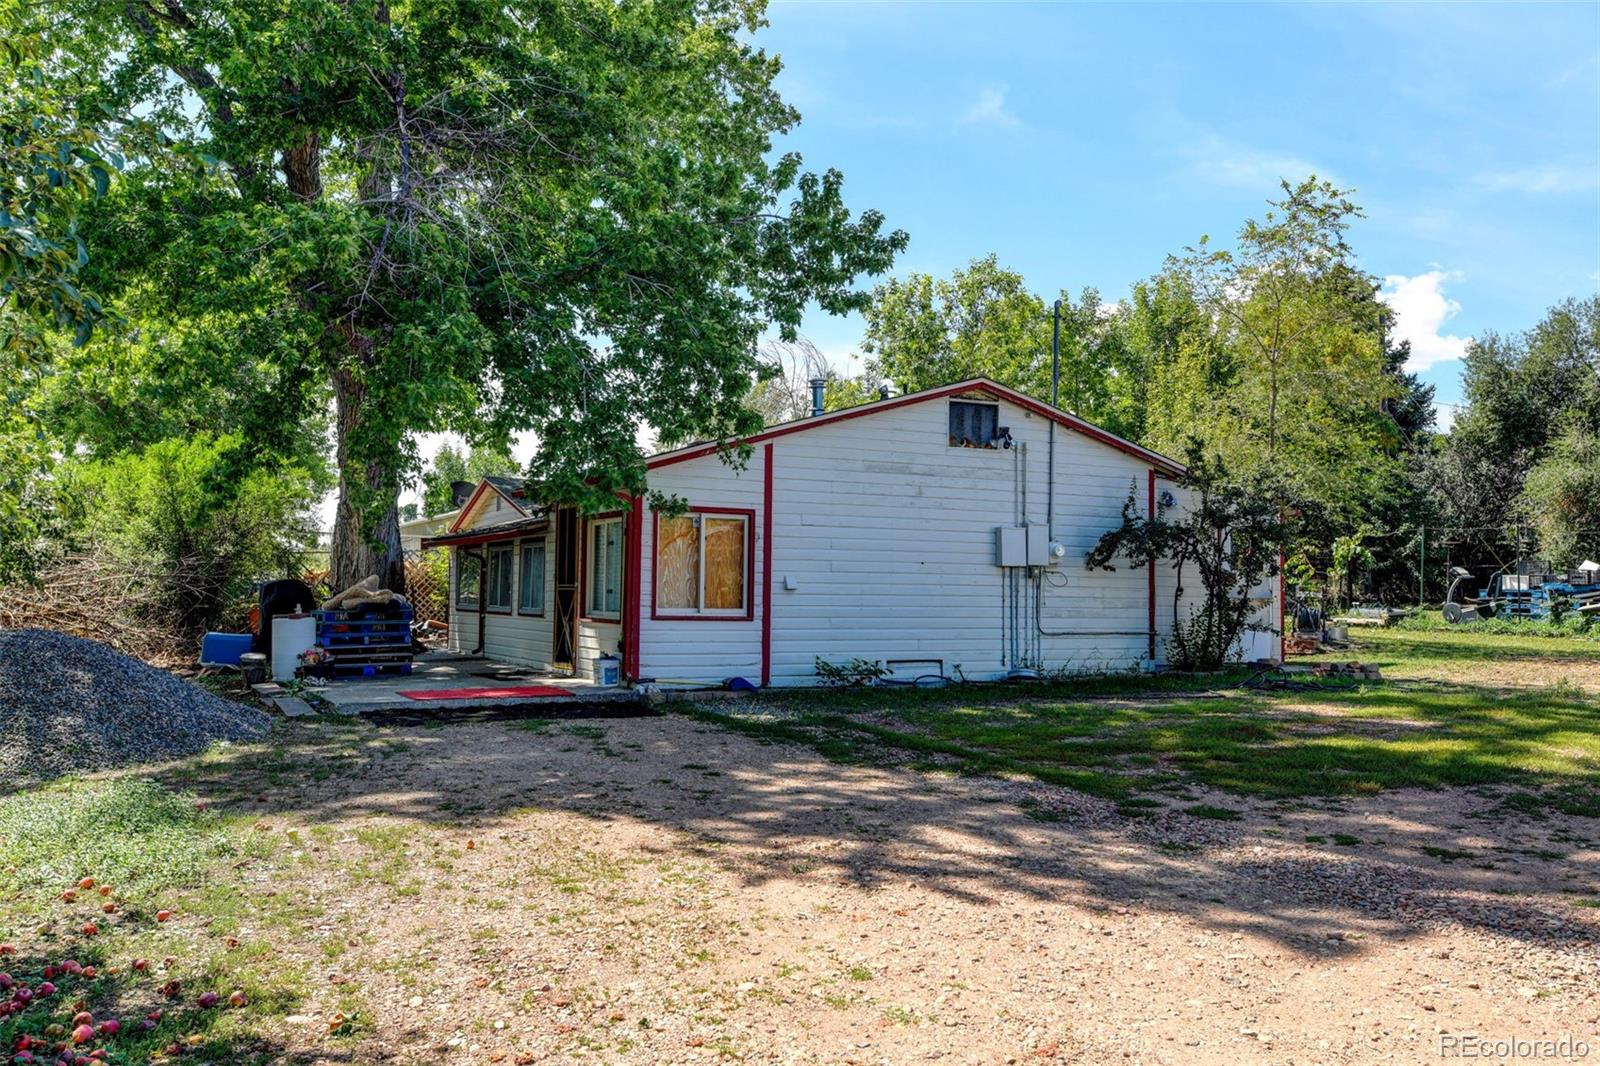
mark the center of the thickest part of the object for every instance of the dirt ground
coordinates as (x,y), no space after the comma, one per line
(661,890)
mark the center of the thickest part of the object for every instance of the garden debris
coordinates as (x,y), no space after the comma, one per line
(364,593)
(69,705)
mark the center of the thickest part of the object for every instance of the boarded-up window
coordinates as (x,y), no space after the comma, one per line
(678,563)
(605,568)
(531,592)
(702,564)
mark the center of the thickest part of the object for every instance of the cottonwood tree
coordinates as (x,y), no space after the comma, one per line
(555,215)
(1290,296)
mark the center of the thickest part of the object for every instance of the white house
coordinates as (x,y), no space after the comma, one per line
(919,531)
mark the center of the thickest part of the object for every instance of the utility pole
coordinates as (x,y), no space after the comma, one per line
(1422,568)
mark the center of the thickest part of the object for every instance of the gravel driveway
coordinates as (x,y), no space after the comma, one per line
(661,890)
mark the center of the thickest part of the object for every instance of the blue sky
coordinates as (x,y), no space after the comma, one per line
(1082,143)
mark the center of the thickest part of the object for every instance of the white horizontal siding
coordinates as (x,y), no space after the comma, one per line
(703,650)
(512,638)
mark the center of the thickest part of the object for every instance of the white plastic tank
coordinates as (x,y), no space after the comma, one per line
(291,635)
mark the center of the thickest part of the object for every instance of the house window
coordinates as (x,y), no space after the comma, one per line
(701,564)
(605,568)
(469,573)
(974,425)
(499,590)
(531,596)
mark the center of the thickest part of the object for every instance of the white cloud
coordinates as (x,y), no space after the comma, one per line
(1221,161)
(1421,309)
(989,110)
(1444,416)
(1545,179)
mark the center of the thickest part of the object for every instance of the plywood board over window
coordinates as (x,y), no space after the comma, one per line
(702,566)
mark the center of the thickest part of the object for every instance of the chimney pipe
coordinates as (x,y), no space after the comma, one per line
(817,385)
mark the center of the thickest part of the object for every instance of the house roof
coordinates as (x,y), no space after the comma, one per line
(984,385)
(484,534)
(508,487)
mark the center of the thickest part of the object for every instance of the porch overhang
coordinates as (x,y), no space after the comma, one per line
(486,535)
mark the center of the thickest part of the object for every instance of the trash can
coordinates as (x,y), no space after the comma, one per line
(608,670)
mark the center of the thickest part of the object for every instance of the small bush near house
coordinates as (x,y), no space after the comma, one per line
(198,517)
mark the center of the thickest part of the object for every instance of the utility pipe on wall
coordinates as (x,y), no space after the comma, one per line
(1055,401)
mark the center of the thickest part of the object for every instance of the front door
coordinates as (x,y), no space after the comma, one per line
(565,637)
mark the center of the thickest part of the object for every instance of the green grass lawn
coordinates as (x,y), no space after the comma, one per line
(1153,735)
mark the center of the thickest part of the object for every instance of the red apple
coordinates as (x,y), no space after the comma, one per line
(105,890)
(23,994)
(207,1000)
(83,1017)
(90,929)
(8,949)
(45,989)
(86,883)
(82,1034)
(6,980)
(90,972)
(162,916)
(109,1027)
(71,966)
(236,1000)
(69,895)
(109,908)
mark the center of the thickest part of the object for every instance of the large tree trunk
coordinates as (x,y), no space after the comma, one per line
(353,553)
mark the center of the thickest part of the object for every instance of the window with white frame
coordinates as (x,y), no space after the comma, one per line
(702,567)
(469,573)
(530,598)
(498,592)
(605,568)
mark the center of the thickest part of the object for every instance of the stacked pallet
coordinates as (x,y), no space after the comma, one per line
(367,641)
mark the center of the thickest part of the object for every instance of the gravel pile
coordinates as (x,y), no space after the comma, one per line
(68,705)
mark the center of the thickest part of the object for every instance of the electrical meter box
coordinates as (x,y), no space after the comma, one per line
(1010,546)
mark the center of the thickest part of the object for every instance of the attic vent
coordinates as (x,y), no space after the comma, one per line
(974,425)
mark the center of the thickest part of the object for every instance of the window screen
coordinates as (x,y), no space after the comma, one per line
(500,577)
(973,425)
(469,569)
(531,593)
(605,567)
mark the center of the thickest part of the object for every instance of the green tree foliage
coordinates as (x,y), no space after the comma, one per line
(177,516)
(552,215)
(1532,403)
(451,464)
(984,321)
(55,156)
(1561,497)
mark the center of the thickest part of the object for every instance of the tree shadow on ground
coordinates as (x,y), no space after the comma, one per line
(1314,878)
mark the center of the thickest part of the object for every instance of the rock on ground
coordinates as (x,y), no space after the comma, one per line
(69,705)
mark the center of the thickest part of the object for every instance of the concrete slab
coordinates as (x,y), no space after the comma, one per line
(448,670)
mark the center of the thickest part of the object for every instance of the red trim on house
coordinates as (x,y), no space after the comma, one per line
(766,567)
(1150,568)
(583,570)
(749,517)
(633,548)
(466,508)
(974,385)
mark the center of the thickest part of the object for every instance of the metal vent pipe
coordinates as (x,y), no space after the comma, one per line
(817,387)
